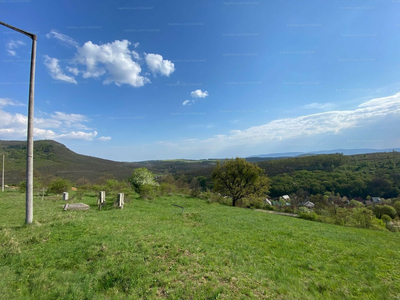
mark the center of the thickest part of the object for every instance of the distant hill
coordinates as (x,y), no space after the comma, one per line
(54,159)
(342,151)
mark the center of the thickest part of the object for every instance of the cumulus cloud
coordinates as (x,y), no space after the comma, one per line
(113,59)
(157,64)
(104,138)
(64,39)
(196,95)
(55,70)
(58,125)
(199,94)
(13,44)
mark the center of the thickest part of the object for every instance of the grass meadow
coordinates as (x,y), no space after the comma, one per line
(150,250)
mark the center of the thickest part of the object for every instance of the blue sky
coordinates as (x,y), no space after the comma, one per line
(142,80)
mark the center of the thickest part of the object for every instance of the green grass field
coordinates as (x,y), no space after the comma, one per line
(150,250)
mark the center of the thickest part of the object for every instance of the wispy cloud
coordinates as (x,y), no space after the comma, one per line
(320,106)
(64,39)
(12,45)
(8,102)
(55,70)
(104,138)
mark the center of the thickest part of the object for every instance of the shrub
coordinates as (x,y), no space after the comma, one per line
(147,191)
(356,203)
(166,189)
(22,187)
(341,216)
(140,177)
(386,219)
(304,210)
(381,210)
(269,207)
(59,186)
(312,216)
(396,206)
(361,217)
(251,202)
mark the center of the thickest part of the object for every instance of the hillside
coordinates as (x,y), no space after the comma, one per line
(54,159)
(150,250)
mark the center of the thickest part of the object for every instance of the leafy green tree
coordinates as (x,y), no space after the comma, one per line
(140,177)
(238,178)
(59,186)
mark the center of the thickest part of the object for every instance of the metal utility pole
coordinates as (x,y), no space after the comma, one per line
(29,148)
(2,177)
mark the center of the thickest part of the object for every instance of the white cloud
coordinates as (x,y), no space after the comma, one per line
(14,44)
(332,122)
(321,106)
(55,70)
(79,135)
(74,71)
(9,102)
(58,125)
(104,138)
(64,39)
(115,59)
(186,102)
(157,64)
(199,94)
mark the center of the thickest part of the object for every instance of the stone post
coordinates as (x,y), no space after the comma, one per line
(65,196)
(120,200)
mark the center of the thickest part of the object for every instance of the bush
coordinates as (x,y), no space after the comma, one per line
(312,216)
(269,207)
(166,189)
(140,177)
(381,210)
(205,195)
(356,203)
(59,186)
(304,210)
(386,219)
(22,187)
(147,191)
(251,202)
(361,217)
(396,206)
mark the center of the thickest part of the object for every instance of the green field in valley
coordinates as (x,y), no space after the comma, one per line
(150,250)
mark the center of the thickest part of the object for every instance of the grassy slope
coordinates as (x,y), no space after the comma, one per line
(149,250)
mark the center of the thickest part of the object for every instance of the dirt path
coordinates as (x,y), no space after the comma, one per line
(278,213)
